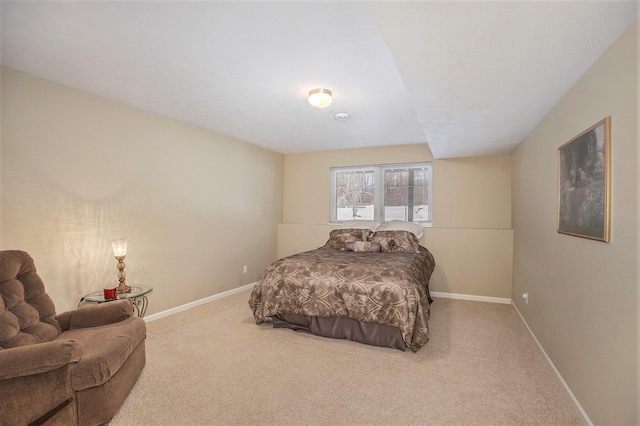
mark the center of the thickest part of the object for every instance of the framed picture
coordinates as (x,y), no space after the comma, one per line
(583,183)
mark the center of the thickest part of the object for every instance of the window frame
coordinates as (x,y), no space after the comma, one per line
(379,189)
(334,201)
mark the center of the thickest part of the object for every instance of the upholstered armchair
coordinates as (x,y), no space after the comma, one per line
(73,368)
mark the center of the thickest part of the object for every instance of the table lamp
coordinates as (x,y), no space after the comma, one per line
(120,251)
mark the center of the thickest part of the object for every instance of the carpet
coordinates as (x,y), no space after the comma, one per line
(212,365)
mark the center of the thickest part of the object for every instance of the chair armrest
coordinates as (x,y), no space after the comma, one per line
(38,358)
(96,315)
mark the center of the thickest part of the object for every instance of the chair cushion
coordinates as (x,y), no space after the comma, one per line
(27,313)
(104,350)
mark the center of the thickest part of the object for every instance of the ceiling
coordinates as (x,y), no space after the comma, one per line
(468,78)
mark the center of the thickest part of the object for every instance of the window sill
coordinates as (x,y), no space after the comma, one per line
(424,224)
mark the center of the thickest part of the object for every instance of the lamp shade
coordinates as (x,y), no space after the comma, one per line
(119,247)
(320,98)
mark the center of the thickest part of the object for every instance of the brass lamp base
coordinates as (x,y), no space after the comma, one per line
(123,288)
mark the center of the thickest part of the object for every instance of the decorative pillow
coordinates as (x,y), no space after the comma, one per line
(361,246)
(361,224)
(386,243)
(401,225)
(339,237)
(396,241)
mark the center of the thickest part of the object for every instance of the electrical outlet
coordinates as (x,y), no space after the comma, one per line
(525,296)
(245,268)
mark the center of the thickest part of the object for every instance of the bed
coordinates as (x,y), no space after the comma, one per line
(370,287)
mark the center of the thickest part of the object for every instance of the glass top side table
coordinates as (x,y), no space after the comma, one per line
(138,295)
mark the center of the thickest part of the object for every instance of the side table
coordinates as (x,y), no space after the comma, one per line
(138,295)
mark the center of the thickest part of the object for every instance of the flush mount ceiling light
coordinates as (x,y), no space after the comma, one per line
(320,98)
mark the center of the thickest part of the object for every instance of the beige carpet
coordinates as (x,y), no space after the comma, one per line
(214,365)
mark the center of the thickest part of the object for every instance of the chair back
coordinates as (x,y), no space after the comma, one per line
(27,313)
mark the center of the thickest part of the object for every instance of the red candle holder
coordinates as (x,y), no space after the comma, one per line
(110,293)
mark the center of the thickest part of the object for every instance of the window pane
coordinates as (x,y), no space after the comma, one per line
(406,195)
(402,192)
(354,195)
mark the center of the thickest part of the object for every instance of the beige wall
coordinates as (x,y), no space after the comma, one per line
(1,120)
(472,193)
(637,69)
(583,304)
(79,170)
(471,213)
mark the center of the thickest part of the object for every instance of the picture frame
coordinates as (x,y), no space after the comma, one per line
(583,183)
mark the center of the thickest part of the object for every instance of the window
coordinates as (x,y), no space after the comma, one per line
(383,193)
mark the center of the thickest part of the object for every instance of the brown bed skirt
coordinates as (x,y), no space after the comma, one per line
(343,328)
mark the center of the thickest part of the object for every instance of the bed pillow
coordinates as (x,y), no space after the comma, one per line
(362,246)
(401,225)
(386,242)
(339,237)
(361,224)
(396,241)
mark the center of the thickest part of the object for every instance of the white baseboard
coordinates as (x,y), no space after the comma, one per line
(572,398)
(197,302)
(489,299)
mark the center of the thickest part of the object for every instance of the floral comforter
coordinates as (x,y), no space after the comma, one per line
(384,288)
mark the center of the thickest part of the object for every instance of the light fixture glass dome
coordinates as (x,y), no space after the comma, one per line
(119,247)
(320,98)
